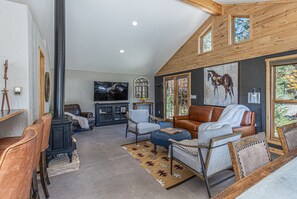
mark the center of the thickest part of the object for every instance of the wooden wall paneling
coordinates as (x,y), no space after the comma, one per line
(274,30)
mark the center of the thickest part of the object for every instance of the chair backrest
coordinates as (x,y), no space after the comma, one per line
(205,138)
(47,120)
(288,137)
(249,154)
(200,113)
(38,128)
(218,157)
(73,109)
(139,115)
(16,167)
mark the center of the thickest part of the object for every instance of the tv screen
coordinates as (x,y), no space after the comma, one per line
(110,91)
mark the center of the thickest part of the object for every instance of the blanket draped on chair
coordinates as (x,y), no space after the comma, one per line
(232,115)
(83,122)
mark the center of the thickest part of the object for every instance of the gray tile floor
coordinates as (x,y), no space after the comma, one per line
(108,171)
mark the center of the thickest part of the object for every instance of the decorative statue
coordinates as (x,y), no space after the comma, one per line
(5,91)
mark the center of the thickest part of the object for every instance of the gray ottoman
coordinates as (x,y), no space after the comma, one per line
(161,138)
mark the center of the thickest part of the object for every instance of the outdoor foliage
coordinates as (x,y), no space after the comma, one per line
(207,42)
(285,89)
(241,29)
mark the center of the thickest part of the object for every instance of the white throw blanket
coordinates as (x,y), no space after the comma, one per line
(82,121)
(232,115)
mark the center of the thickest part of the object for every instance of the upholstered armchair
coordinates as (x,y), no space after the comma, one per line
(207,155)
(288,137)
(140,122)
(75,110)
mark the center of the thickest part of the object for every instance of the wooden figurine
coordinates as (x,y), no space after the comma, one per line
(5,91)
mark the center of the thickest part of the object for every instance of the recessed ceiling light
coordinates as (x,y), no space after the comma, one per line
(134,23)
(122,51)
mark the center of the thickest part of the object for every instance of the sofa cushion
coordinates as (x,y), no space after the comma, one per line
(200,113)
(216,113)
(188,124)
(73,109)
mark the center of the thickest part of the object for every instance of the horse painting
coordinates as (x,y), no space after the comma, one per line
(219,80)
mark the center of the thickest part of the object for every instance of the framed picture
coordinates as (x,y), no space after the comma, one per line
(221,85)
(47,86)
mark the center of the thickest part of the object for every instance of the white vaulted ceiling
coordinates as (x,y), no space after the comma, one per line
(98,29)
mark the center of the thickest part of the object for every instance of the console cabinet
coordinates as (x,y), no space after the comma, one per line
(112,113)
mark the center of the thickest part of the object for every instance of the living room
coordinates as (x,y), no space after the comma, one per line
(150,99)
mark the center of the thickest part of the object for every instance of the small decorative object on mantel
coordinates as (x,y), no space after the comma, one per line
(143,99)
(171,131)
(5,91)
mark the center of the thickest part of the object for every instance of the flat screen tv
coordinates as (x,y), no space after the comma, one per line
(110,91)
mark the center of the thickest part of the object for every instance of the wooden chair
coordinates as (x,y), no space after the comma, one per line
(16,167)
(249,154)
(288,137)
(38,128)
(47,120)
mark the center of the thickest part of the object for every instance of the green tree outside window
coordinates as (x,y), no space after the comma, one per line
(207,42)
(241,29)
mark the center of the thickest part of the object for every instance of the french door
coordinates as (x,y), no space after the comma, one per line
(177,93)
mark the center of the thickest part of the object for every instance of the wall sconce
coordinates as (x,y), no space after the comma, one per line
(254,96)
(17,90)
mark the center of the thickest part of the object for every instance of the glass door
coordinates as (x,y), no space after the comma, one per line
(183,97)
(176,95)
(169,98)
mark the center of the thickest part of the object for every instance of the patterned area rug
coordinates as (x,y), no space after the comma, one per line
(61,165)
(158,165)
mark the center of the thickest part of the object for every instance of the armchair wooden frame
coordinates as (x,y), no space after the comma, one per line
(204,164)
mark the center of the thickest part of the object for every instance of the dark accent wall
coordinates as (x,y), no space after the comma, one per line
(252,74)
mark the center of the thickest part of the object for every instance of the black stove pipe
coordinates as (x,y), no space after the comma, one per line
(59,73)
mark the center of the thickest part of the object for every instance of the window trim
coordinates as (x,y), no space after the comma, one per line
(200,40)
(270,93)
(232,29)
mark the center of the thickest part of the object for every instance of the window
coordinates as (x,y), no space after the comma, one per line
(285,95)
(206,41)
(282,105)
(141,88)
(241,28)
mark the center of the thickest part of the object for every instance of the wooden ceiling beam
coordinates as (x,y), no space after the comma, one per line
(209,6)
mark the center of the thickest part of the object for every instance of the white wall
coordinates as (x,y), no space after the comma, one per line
(79,87)
(19,42)
(35,43)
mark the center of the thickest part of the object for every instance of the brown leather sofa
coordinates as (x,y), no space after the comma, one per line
(201,114)
(75,110)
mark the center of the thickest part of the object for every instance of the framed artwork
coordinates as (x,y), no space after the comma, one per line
(221,85)
(47,86)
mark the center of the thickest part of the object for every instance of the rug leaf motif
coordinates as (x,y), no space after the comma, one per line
(158,164)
